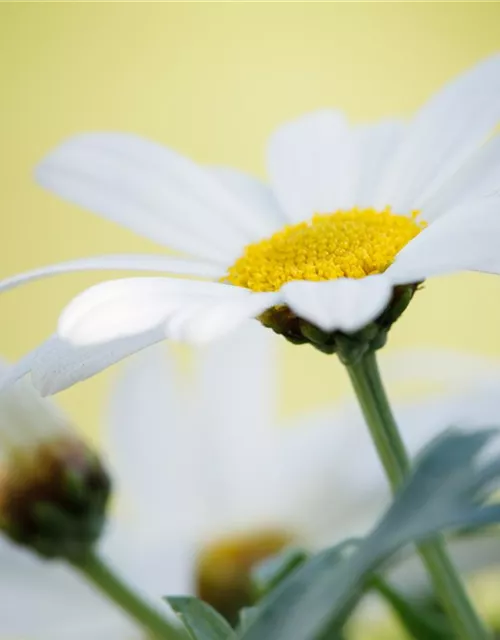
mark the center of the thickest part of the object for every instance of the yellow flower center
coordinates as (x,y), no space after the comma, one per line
(223,569)
(343,244)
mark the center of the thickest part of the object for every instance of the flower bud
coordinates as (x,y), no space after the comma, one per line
(53,487)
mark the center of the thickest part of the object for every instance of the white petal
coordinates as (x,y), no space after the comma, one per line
(152,557)
(337,494)
(257,196)
(442,136)
(345,304)
(205,322)
(466,239)
(475,403)
(152,446)
(152,190)
(236,421)
(340,494)
(120,308)
(42,600)
(117,262)
(25,417)
(311,164)
(377,144)
(479,177)
(56,364)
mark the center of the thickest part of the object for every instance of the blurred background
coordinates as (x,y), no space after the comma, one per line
(212,80)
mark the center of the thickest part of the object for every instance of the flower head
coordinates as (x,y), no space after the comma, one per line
(354,217)
(53,488)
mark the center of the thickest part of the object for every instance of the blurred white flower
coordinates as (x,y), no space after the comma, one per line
(350,213)
(210,479)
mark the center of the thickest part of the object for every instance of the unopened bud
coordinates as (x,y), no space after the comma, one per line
(53,487)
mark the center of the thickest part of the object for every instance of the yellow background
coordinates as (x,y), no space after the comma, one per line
(212,80)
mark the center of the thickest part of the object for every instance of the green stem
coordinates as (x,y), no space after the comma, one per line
(97,572)
(365,378)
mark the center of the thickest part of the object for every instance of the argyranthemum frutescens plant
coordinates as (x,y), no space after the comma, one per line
(330,254)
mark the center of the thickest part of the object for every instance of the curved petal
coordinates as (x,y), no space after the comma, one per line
(120,308)
(312,165)
(151,190)
(56,364)
(377,143)
(345,304)
(256,194)
(478,178)
(117,262)
(442,136)
(47,601)
(205,322)
(466,239)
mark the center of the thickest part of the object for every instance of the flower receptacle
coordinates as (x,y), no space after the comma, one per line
(349,347)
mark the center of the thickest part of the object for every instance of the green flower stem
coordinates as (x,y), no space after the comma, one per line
(365,378)
(151,620)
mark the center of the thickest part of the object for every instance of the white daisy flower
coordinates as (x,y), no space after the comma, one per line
(350,215)
(209,485)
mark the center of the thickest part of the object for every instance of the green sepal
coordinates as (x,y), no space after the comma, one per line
(200,619)
(349,347)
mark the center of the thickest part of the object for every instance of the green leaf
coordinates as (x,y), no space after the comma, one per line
(247,615)
(446,490)
(201,621)
(420,623)
(269,573)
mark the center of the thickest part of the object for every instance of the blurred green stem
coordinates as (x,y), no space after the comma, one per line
(106,580)
(367,383)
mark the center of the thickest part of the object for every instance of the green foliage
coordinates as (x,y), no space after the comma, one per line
(269,573)
(247,615)
(446,490)
(201,621)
